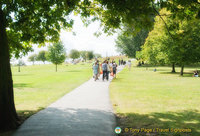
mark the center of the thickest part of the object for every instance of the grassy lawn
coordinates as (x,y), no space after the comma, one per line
(145,99)
(35,87)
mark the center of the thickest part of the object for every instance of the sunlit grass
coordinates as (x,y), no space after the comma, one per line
(35,87)
(143,98)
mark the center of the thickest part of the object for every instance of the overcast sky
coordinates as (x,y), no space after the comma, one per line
(84,40)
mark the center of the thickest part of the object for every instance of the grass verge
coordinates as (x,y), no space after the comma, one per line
(37,86)
(156,101)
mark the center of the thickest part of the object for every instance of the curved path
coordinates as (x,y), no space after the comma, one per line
(85,111)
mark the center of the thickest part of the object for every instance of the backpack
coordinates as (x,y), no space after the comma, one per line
(104,67)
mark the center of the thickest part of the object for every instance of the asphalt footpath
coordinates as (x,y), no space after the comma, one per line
(85,111)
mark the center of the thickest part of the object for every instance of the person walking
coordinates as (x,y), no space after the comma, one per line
(114,69)
(104,69)
(108,70)
(129,65)
(95,71)
(119,62)
(122,62)
(98,70)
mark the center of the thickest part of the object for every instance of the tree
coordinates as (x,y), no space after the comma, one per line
(129,44)
(83,55)
(188,37)
(41,21)
(20,63)
(30,22)
(182,49)
(90,55)
(42,56)
(140,57)
(97,55)
(32,58)
(56,54)
(74,54)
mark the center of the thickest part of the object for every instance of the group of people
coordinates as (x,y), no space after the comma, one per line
(106,68)
(122,62)
(196,74)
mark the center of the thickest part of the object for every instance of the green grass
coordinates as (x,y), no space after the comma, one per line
(146,99)
(35,87)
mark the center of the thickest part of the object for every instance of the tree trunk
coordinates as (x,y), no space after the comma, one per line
(182,68)
(56,67)
(173,68)
(8,115)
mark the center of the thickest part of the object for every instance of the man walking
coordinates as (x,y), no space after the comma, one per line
(104,69)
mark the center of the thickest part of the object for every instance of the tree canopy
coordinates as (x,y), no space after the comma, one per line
(83,55)
(32,58)
(26,22)
(129,44)
(56,53)
(182,48)
(90,55)
(74,54)
(42,56)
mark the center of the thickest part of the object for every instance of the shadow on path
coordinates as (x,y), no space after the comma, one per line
(68,122)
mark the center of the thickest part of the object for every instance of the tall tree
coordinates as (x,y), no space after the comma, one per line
(42,56)
(129,44)
(90,55)
(30,22)
(32,58)
(41,21)
(74,54)
(56,54)
(20,63)
(182,49)
(83,55)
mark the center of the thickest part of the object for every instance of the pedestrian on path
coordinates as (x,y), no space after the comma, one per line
(108,70)
(129,65)
(98,70)
(122,62)
(104,69)
(95,70)
(114,69)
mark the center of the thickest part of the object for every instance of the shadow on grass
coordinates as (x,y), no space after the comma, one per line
(21,85)
(117,79)
(170,120)
(23,115)
(73,71)
(22,74)
(186,74)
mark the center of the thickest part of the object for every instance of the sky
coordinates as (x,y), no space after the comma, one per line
(84,39)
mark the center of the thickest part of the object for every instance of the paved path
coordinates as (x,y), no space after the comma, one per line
(86,111)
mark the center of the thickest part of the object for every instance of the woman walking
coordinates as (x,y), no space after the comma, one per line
(129,65)
(114,69)
(95,70)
